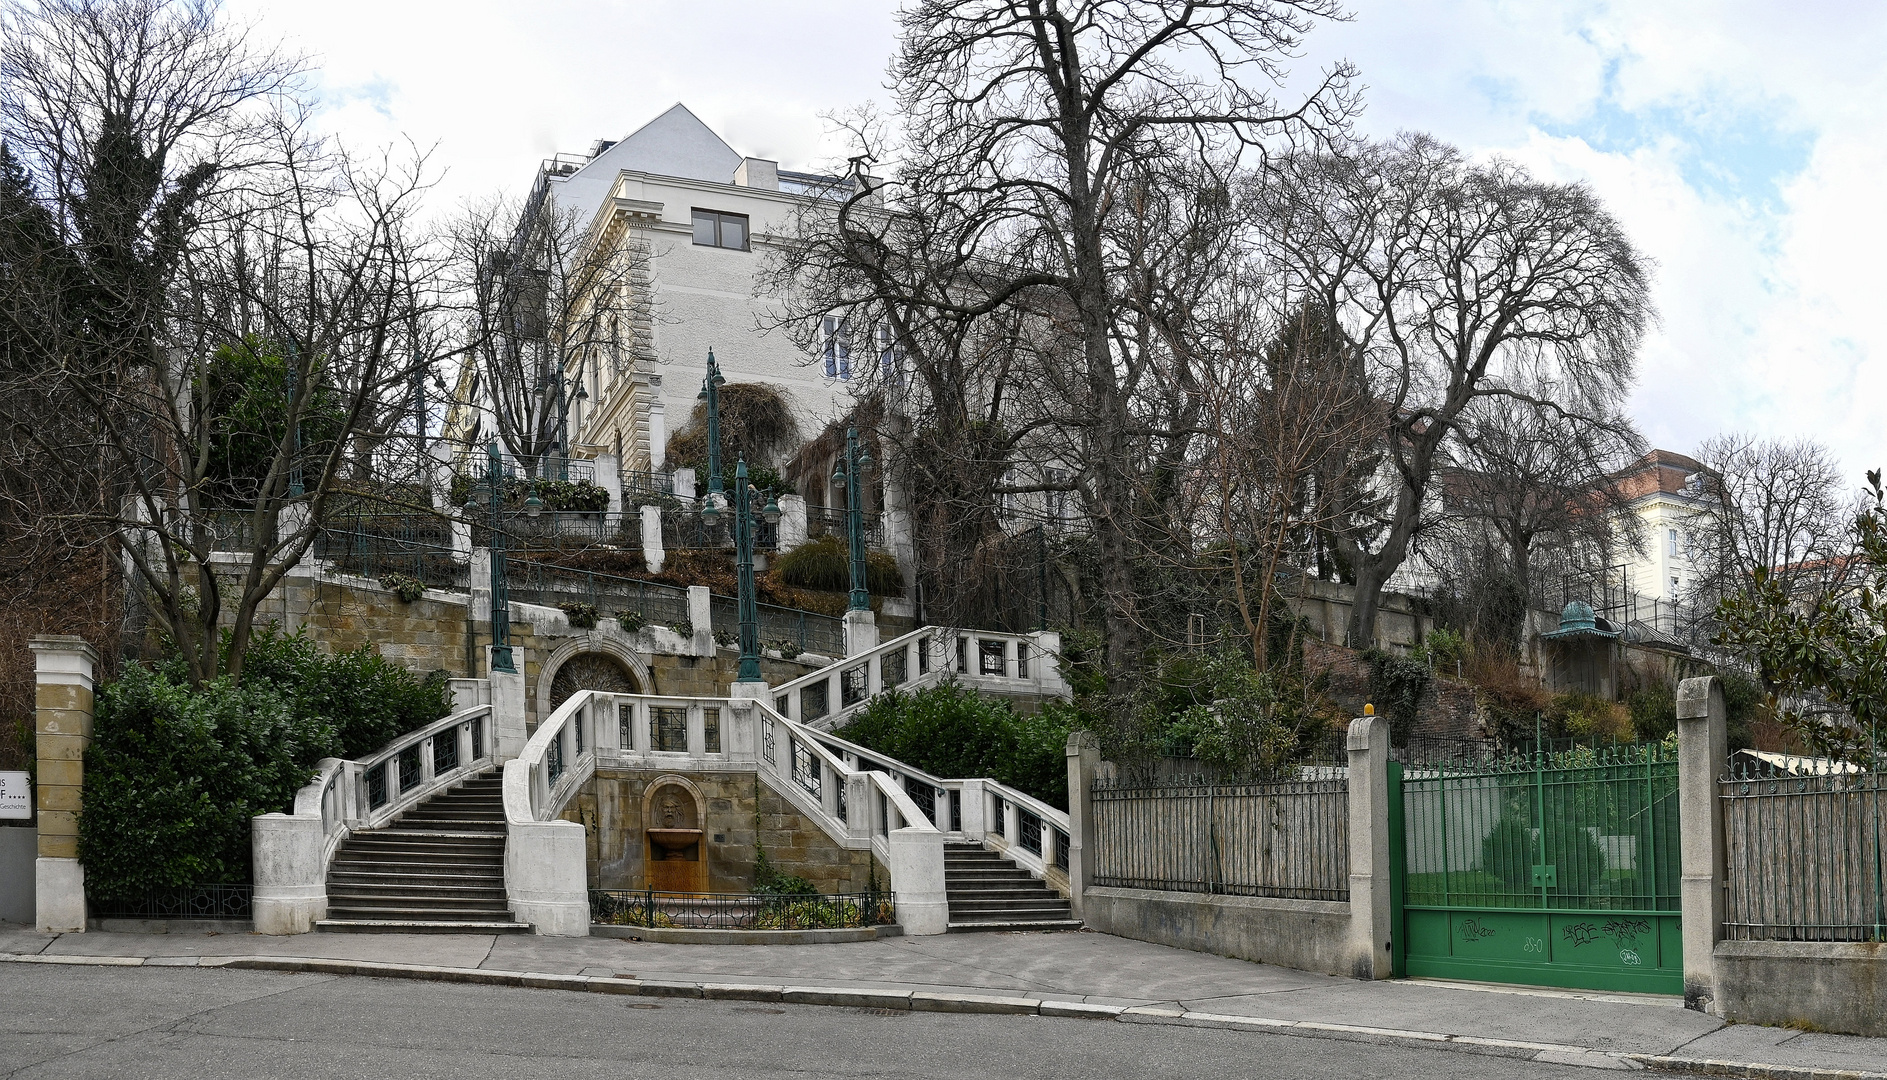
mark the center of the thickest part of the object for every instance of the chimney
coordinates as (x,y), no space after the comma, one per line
(758,173)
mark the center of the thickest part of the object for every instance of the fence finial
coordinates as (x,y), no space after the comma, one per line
(1369,709)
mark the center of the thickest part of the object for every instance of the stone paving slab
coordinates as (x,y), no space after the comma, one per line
(1085,973)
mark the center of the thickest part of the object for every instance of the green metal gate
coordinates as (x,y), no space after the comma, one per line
(1550,868)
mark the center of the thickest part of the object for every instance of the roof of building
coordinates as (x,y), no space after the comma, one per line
(676,143)
(1660,471)
(1577,620)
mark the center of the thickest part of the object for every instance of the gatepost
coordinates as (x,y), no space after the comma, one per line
(65,668)
(1371,885)
(1084,761)
(1703,745)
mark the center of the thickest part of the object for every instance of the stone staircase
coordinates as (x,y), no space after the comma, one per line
(988,892)
(438,869)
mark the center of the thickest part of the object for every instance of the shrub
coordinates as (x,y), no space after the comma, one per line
(952,732)
(1653,711)
(405,586)
(826,563)
(1397,684)
(581,616)
(176,771)
(1588,718)
(174,774)
(1443,649)
(1507,852)
(787,648)
(631,621)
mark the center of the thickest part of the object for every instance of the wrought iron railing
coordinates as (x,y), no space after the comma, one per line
(1289,840)
(655,604)
(1806,854)
(807,631)
(741,911)
(374,546)
(227,901)
(831,521)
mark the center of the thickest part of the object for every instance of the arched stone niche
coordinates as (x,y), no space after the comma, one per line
(592,662)
(674,829)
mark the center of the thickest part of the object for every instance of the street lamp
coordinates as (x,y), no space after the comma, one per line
(845,474)
(711,393)
(743,563)
(500,602)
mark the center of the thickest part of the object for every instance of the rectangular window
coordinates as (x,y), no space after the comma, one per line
(890,353)
(671,730)
(716,229)
(835,346)
(1674,587)
(1672,541)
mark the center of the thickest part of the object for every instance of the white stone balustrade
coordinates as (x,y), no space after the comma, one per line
(292,852)
(1002,665)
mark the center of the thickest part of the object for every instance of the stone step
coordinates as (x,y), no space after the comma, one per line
(430,823)
(1017,893)
(413,864)
(956,927)
(416,891)
(347,881)
(410,837)
(418,926)
(435,912)
(423,851)
(960,908)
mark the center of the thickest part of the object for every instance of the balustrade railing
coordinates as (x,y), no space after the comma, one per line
(990,661)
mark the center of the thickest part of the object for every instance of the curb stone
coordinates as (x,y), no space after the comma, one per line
(1168,1014)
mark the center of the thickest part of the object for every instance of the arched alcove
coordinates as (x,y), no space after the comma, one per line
(591,662)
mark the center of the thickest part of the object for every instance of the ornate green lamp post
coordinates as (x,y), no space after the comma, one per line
(711,393)
(500,602)
(846,473)
(742,499)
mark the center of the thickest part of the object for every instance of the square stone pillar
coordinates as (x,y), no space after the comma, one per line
(510,730)
(861,632)
(1084,761)
(701,617)
(1703,747)
(65,669)
(653,554)
(792,522)
(1371,926)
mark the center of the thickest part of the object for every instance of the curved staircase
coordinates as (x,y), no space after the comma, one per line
(988,892)
(437,869)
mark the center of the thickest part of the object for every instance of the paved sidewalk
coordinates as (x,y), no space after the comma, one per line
(1083,967)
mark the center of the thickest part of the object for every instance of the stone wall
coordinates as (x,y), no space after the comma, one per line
(1816,986)
(1448,711)
(611,810)
(1309,935)
(1325,605)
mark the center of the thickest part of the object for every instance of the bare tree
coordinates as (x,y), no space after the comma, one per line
(1453,282)
(551,301)
(1775,505)
(227,306)
(1045,151)
(1536,482)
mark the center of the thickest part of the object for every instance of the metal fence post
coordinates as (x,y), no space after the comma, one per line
(1702,748)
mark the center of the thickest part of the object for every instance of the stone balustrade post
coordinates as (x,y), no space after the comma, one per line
(65,671)
(1084,762)
(861,632)
(792,522)
(917,879)
(510,730)
(701,617)
(1703,747)
(1371,888)
(654,556)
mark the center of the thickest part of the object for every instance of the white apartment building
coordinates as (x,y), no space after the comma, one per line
(703,218)
(1664,490)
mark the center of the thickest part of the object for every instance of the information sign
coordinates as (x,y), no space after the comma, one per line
(16,795)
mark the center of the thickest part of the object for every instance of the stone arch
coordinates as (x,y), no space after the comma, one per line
(592,661)
(668,782)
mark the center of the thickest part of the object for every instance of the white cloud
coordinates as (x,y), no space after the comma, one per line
(1740,142)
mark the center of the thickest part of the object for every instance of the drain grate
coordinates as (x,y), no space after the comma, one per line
(885,1012)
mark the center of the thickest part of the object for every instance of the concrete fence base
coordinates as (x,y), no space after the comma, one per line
(1309,935)
(1825,986)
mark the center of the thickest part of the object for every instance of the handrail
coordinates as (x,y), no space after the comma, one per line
(1029,664)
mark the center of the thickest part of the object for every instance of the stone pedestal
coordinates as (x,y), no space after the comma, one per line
(507,707)
(1084,760)
(917,877)
(861,632)
(792,521)
(65,668)
(1371,927)
(653,554)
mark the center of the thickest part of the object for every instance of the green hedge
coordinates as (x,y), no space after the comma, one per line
(175,771)
(953,733)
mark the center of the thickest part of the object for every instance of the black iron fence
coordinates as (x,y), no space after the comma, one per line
(1806,853)
(177,902)
(1288,839)
(376,546)
(645,603)
(741,911)
(781,628)
(830,521)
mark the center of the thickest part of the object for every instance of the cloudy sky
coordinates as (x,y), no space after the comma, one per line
(1740,142)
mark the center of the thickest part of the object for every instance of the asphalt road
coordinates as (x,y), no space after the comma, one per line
(126,1023)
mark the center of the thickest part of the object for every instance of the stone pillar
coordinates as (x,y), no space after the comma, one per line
(701,617)
(467,693)
(684,483)
(898,533)
(756,691)
(609,478)
(917,877)
(658,436)
(509,728)
(1703,746)
(65,668)
(1084,761)
(653,554)
(298,584)
(792,522)
(861,632)
(1370,885)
